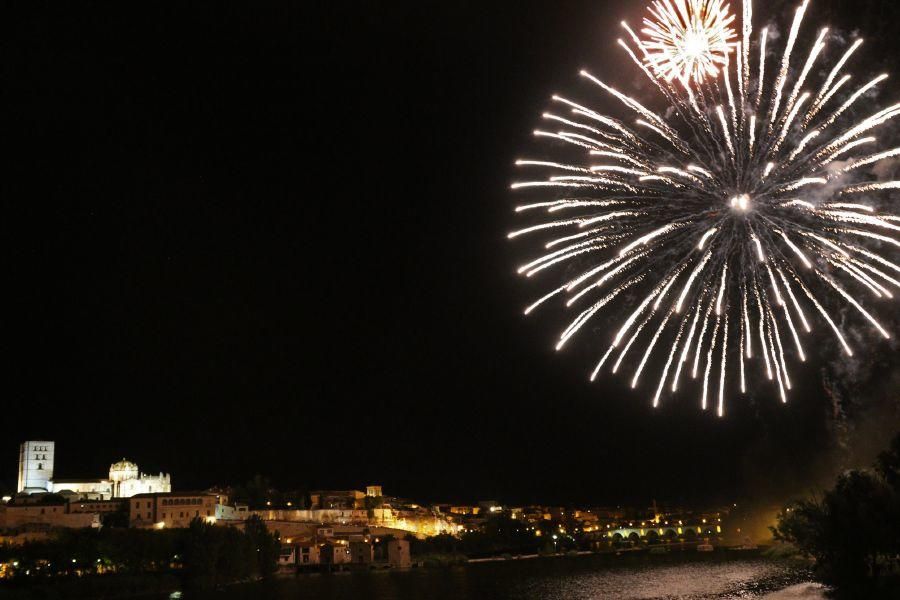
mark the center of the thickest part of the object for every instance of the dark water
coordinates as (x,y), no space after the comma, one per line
(546,579)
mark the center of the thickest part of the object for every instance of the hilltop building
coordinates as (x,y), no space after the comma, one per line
(125,478)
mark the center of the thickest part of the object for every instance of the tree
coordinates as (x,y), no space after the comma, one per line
(855,527)
(267,545)
(117,519)
(201,555)
(371,503)
(888,465)
(256,492)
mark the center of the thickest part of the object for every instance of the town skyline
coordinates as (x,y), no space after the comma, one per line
(133,498)
(38,475)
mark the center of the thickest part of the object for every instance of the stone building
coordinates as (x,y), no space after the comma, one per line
(361,552)
(173,509)
(125,478)
(398,554)
(48,513)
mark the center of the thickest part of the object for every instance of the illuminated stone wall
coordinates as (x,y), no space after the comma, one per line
(421,524)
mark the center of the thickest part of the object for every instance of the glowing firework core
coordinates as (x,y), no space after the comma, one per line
(741,203)
(695,45)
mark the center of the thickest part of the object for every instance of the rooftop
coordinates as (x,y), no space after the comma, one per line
(174,495)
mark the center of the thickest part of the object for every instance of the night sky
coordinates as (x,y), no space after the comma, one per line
(241,240)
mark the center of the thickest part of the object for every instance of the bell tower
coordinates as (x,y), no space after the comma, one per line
(35,466)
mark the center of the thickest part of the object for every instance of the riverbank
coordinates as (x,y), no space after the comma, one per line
(546,577)
(805,591)
(569,577)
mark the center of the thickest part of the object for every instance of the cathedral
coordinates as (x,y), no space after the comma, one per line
(125,479)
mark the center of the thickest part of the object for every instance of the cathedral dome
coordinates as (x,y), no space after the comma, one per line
(123,470)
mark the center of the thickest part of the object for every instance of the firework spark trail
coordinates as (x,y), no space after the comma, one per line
(721,295)
(747,325)
(790,121)
(879,259)
(861,265)
(699,351)
(857,271)
(832,92)
(707,217)
(602,362)
(665,373)
(731,105)
(586,315)
(637,374)
(762,333)
(870,235)
(631,341)
(761,80)
(721,406)
(848,148)
(814,53)
(872,159)
(856,305)
(752,134)
(826,90)
(709,363)
(741,355)
(696,273)
(747,25)
(775,289)
(600,282)
(724,123)
(852,100)
(802,145)
(687,347)
(828,319)
(785,63)
(796,304)
(770,349)
(774,333)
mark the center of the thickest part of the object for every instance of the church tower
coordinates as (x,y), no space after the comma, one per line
(35,466)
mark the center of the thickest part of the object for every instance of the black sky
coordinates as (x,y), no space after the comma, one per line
(249,240)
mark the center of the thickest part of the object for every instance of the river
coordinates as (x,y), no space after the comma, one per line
(569,578)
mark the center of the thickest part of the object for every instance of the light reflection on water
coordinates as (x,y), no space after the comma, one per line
(546,579)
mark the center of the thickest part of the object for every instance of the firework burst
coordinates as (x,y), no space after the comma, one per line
(723,232)
(688,38)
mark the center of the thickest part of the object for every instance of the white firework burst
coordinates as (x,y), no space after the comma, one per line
(689,38)
(735,222)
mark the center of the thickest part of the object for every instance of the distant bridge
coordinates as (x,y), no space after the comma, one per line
(663,532)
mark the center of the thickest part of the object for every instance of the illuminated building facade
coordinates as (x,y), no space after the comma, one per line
(166,510)
(125,478)
(338,499)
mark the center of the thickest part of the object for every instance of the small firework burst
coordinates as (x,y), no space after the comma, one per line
(689,39)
